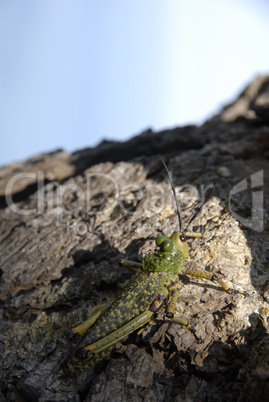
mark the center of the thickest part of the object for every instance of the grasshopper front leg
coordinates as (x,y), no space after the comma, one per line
(131,265)
(214,278)
(179,320)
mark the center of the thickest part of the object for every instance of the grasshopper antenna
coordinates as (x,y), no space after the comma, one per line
(201,206)
(174,192)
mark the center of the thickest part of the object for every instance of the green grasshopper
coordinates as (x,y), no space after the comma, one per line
(154,284)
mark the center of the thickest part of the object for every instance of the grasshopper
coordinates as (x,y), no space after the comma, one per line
(154,284)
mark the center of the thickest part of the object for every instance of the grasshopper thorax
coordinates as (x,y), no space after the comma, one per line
(167,258)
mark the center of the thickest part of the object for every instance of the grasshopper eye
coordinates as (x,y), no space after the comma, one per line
(182,238)
(167,246)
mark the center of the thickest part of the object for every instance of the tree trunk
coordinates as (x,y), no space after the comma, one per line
(68,220)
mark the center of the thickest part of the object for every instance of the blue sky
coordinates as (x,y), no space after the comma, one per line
(73,72)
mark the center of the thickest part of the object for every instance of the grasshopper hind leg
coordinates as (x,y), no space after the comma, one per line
(80,329)
(86,357)
(81,361)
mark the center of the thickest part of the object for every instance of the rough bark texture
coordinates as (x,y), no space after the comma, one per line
(74,217)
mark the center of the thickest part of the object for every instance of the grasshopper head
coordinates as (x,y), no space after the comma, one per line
(180,241)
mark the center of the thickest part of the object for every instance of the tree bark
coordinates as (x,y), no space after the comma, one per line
(68,220)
